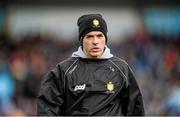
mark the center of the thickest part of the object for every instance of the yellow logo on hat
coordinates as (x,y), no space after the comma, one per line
(110,86)
(96,23)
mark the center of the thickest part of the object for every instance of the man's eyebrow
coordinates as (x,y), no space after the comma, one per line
(89,35)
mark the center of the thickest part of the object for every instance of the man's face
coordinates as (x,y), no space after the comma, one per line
(93,44)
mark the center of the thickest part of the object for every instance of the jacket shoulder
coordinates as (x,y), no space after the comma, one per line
(65,64)
(118,60)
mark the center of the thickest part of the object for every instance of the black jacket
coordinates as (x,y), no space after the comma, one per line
(82,86)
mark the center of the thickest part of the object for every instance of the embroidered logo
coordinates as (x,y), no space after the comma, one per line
(112,69)
(110,87)
(96,23)
(80,87)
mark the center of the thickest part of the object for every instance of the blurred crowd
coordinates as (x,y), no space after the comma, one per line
(154,60)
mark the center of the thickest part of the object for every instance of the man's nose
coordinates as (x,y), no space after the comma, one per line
(95,40)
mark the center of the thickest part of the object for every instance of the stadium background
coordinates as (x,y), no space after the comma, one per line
(37,34)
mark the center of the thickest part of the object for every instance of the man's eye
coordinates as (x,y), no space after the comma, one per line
(89,36)
(99,36)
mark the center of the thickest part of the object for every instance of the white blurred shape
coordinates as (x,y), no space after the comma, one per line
(62,21)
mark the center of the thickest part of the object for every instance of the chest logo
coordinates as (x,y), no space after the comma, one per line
(80,87)
(110,87)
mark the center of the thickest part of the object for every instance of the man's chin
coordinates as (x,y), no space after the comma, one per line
(95,55)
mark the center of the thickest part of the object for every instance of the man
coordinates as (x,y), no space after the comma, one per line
(92,81)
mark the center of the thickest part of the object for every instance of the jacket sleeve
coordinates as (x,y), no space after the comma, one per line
(132,100)
(50,99)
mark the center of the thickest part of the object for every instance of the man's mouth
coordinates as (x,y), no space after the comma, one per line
(95,49)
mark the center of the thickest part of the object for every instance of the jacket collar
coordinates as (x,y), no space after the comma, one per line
(81,54)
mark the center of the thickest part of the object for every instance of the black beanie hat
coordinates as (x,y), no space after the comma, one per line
(91,22)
